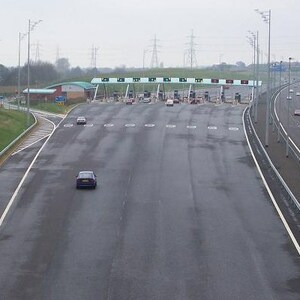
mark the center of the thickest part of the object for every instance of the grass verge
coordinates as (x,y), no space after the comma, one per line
(12,124)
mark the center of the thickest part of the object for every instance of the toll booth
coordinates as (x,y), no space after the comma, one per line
(192,94)
(206,96)
(130,94)
(222,96)
(237,97)
(116,95)
(161,95)
(147,94)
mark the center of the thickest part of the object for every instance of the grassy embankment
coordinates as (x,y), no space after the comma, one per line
(12,124)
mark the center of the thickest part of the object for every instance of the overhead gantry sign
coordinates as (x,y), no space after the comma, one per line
(164,80)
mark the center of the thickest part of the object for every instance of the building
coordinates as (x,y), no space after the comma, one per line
(76,90)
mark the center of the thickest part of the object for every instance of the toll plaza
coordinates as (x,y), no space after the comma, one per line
(131,84)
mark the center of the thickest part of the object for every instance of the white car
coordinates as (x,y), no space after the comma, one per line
(169,102)
(297,112)
(81,121)
(298,94)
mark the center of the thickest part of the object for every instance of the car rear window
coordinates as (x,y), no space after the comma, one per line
(85,175)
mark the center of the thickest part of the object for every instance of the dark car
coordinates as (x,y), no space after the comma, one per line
(81,121)
(86,179)
(129,101)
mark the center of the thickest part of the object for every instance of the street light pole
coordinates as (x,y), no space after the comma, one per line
(30,28)
(252,42)
(279,112)
(144,55)
(21,36)
(257,78)
(289,98)
(266,15)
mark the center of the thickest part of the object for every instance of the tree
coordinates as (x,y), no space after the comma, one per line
(241,64)
(62,66)
(4,73)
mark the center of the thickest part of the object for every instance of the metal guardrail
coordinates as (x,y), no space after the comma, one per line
(284,135)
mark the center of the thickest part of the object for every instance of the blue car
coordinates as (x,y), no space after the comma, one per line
(86,179)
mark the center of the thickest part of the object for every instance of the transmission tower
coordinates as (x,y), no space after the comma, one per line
(37,52)
(57,53)
(94,57)
(154,59)
(191,51)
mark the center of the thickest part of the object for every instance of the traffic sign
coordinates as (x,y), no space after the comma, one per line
(60,99)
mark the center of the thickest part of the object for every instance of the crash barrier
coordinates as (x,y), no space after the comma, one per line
(283,134)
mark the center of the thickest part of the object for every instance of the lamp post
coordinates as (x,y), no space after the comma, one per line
(278,130)
(144,56)
(31,26)
(257,78)
(252,42)
(266,15)
(289,99)
(21,36)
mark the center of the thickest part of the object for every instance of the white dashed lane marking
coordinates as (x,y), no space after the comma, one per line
(108,125)
(152,125)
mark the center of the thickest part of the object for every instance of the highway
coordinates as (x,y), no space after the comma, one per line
(180,211)
(283,111)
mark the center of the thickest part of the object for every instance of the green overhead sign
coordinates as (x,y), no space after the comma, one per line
(167,80)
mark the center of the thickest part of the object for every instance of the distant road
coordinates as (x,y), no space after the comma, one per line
(179,212)
(282,111)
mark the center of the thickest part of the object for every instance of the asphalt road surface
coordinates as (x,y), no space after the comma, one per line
(285,111)
(179,212)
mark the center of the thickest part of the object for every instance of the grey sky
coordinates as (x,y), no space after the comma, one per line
(123,29)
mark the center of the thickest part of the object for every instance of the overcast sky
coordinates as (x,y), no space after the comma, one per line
(122,29)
